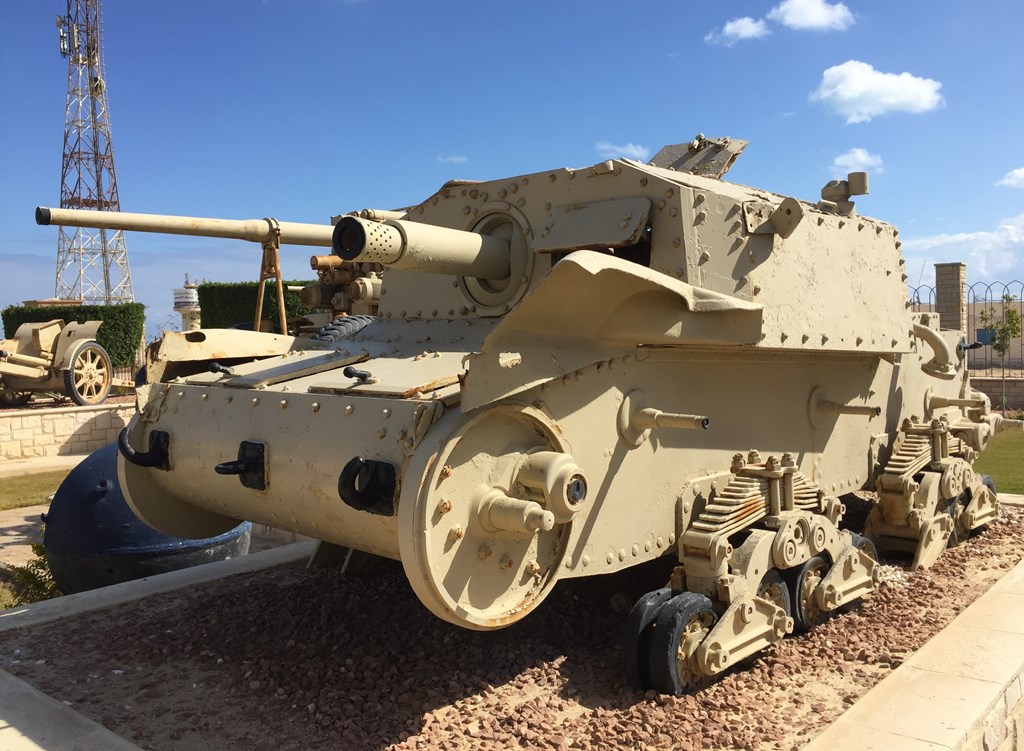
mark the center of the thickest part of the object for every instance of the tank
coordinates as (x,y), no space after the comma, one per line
(572,372)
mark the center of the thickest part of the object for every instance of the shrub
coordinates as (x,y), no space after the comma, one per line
(33,582)
(227,303)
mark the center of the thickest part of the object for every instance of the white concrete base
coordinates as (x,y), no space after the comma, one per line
(118,594)
(32,721)
(960,692)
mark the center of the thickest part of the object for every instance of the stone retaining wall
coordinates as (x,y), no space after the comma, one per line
(993,388)
(29,433)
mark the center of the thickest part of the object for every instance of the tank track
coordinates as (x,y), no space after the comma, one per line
(761,556)
(343,328)
(929,495)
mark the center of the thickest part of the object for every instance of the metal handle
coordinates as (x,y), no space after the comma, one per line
(360,375)
(236,467)
(158,455)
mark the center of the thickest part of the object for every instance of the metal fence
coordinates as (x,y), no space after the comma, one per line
(987,306)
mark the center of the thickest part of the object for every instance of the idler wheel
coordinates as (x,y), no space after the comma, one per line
(680,627)
(477,551)
(637,637)
(803,582)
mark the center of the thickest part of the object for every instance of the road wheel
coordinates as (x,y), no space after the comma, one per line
(680,627)
(13,399)
(87,380)
(637,637)
(773,588)
(803,584)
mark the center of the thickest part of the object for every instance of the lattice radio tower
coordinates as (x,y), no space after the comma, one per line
(92,264)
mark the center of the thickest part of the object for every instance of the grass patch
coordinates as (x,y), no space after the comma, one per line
(1003,460)
(29,490)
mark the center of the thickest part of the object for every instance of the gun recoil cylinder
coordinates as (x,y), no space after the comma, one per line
(421,247)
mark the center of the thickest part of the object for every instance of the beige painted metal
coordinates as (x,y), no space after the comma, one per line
(38,356)
(269,232)
(254,230)
(569,379)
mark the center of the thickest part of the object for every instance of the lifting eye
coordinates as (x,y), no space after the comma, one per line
(368,485)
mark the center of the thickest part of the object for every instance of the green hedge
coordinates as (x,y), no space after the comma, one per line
(120,333)
(226,303)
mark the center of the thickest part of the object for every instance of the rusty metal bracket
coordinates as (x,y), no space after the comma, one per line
(270,268)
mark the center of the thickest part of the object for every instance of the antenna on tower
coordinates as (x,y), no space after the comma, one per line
(92,264)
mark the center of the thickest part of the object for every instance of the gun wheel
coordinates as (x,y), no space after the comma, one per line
(680,627)
(11,399)
(87,380)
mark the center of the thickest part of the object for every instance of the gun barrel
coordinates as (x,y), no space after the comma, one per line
(415,246)
(254,230)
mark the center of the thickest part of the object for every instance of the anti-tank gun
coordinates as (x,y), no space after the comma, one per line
(269,233)
(565,377)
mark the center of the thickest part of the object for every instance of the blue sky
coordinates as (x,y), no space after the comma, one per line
(301,109)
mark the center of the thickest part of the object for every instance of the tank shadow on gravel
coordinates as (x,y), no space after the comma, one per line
(359,659)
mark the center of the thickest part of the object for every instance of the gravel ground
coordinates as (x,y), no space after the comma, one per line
(292,659)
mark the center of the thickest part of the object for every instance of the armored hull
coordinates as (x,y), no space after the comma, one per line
(576,371)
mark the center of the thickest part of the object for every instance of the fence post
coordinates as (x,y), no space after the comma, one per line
(951,295)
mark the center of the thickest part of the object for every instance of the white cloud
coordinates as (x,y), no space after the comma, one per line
(859,92)
(990,255)
(857,160)
(1013,179)
(812,15)
(454,159)
(738,29)
(608,150)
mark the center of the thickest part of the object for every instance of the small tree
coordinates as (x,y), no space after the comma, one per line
(1002,332)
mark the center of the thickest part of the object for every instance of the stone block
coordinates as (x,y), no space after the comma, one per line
(995,727)
(973,652)
(10,449)
(30,452)
(102,421)
(31,421)
(23,434)
(95,445)
(63,425)
(938,708)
